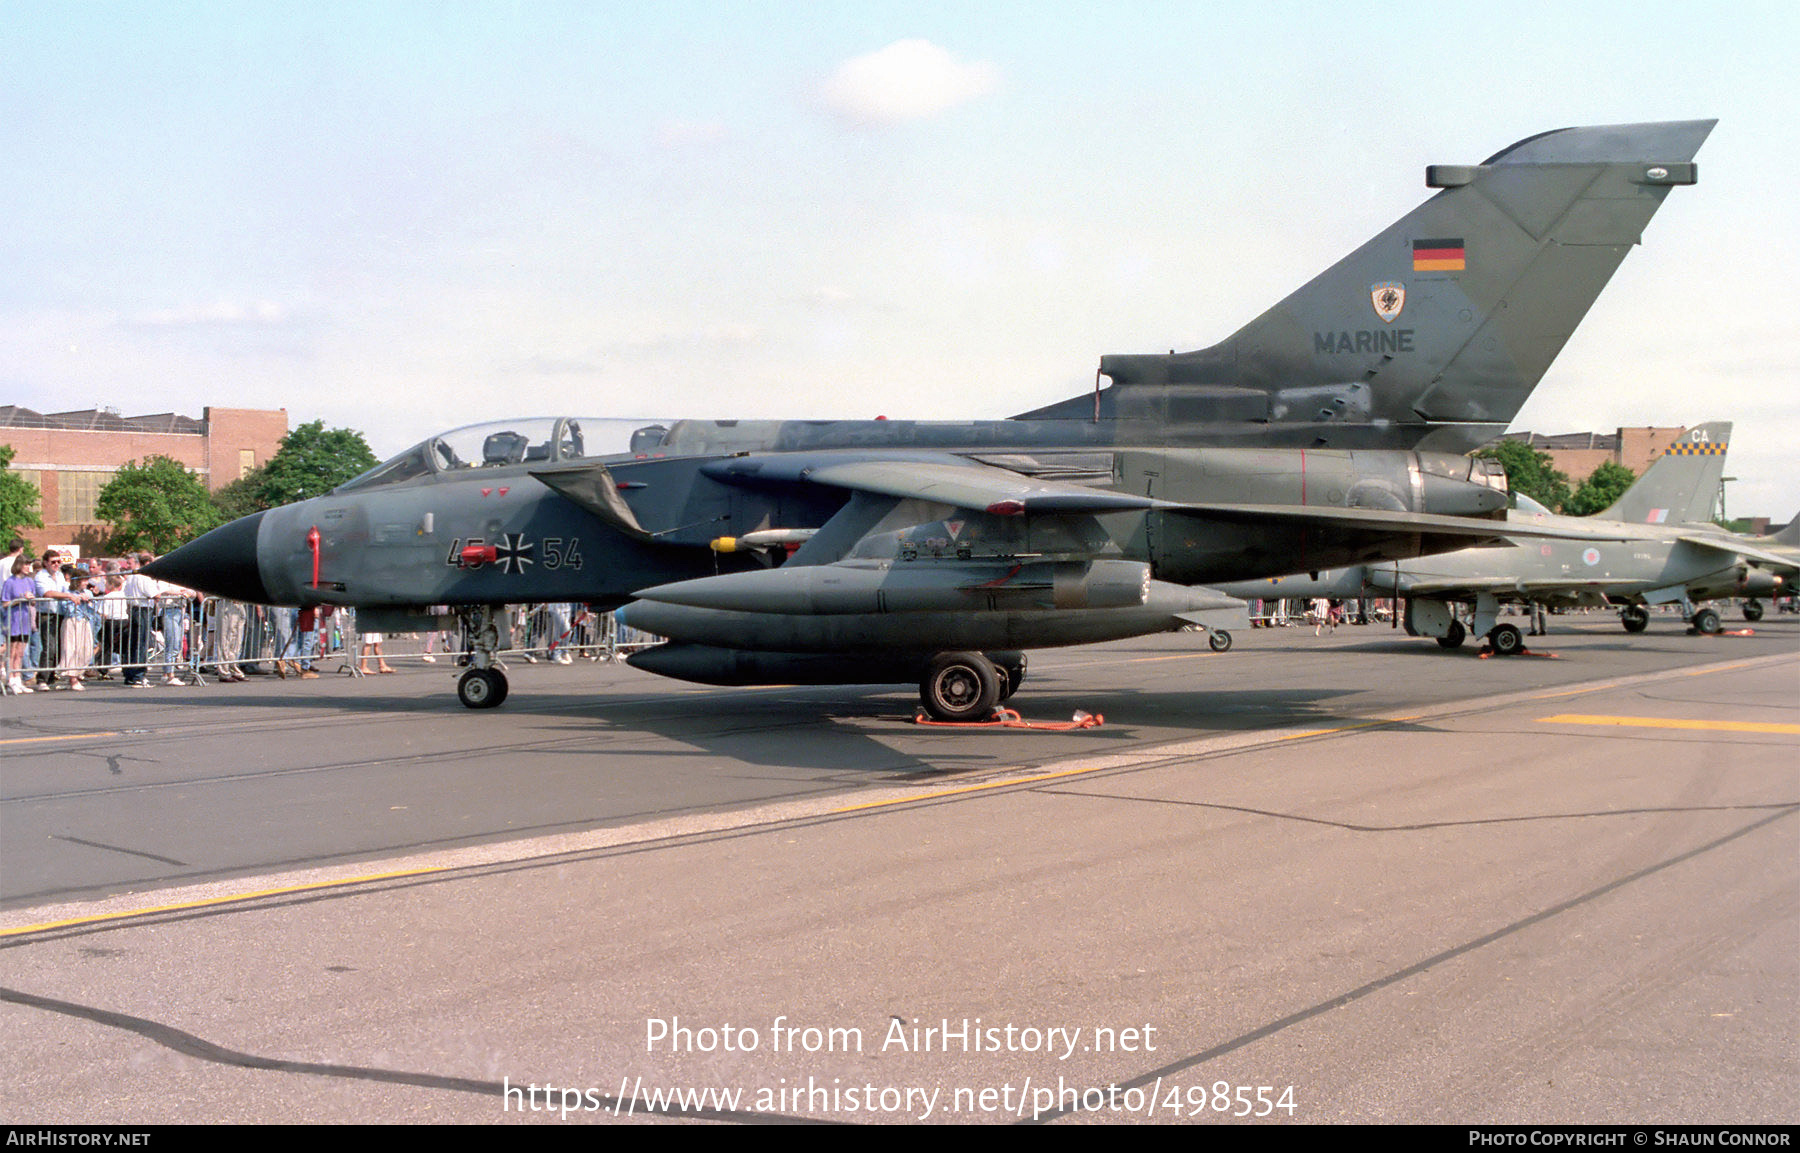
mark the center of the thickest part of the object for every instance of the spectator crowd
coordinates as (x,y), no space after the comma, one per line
(70,622)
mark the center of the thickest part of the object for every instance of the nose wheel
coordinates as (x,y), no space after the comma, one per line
(481,688)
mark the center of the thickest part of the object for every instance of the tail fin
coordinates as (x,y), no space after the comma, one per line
(1680,486)
(1791,534)
(1444,323)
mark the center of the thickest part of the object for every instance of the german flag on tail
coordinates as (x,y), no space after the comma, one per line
(1439,255)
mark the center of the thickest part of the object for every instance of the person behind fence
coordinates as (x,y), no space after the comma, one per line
(307,639)
(172,606)
(115,625)
(17,592)
(140,601)
(561,632)
(227,629)
(55,600)
(371,646)
(281,619)
(79,622)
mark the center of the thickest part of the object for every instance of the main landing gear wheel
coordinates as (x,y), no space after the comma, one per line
(960,687)
(1753,610)
(1707,621)
(1635,618)
(1219,641)
(1507,640)
(1455,637)
(481,688)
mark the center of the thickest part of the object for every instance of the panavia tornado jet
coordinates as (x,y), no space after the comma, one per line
(1673,556)
(940,552)
(908,566)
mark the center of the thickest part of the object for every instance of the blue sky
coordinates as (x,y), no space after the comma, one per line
(403,217)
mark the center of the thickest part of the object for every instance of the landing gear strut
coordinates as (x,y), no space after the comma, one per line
(484,685)
(1010,667)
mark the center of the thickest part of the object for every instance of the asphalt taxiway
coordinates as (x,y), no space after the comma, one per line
(1406,885)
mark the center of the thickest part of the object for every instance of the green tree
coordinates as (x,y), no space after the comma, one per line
(311,462)
(1530,472)
(1601,490)
(18,498)
(242,496)
(157,505)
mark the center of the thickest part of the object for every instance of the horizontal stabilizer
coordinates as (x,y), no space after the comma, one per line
(1738,547)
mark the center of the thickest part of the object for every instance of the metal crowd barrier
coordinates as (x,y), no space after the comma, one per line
(93,639)
(218,639)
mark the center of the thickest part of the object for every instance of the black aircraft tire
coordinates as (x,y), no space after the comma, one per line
(1635,618)
(1455,637)
(960,687)
(1507,640)
(1011,671)
(481,688)
(1220,641)
(1707,621)
(1753,610)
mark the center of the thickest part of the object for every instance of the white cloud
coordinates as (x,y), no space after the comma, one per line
(907,80)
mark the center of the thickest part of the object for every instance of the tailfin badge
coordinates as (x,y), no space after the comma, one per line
(1388,297)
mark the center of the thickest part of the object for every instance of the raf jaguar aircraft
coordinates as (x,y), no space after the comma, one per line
(1326,432)
(1774,561)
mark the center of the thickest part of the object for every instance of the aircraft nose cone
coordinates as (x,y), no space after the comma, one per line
(222,563)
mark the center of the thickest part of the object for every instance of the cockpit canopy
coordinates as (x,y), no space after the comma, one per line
(540,440)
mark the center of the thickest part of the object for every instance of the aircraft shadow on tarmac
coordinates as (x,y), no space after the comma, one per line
(864,734)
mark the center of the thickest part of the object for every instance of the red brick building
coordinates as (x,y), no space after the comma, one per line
(1578,454)
(71,455)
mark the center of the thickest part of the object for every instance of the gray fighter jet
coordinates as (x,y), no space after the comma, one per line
(908,565)
(939,552)
(1774,564)
(1674,557)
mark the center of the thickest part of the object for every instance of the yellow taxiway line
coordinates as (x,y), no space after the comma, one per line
(1672,723)
(209,901)
(65,737)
